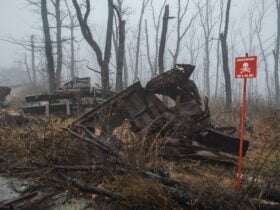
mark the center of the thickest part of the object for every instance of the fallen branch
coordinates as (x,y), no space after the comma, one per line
(165,180)
(14,200)
(147,174)
(24,168)
(79,168)
(95,141)
(86,139)
(90,188)
(263,204)
(267,194)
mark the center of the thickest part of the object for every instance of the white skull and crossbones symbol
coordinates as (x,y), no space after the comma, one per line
(245,68)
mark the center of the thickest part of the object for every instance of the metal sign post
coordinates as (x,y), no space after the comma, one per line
(245,67)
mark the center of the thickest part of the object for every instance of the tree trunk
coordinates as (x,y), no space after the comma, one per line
(276,56)
(217,69)
(226,72)
(163,39)
(218,49)
(178,41)
(120,57)
(120,13)
(85,29)
(125,71)
(144,4)
(48,46)
(34,76)
(207,49)
(148,51)
(72,61)
(27,69)
(181,12)
(59,43)
(157,27)
(223,38)
(105,77)
(204,19)
(265,65)
(207,69)
(72,46)
(108,47)
(115,38)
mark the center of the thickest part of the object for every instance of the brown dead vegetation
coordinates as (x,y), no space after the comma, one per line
(41,149)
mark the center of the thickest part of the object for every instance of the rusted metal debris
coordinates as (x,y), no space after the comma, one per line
(75,97)
(4,91)
(185,129)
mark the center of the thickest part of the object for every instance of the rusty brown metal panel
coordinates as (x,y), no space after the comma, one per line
(169,83)
(132,102)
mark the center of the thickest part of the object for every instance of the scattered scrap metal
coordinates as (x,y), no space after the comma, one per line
(184,130)
(73,98)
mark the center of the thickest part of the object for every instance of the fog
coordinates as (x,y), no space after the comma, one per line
(19,21)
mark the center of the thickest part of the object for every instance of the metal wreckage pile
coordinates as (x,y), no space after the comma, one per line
(178,133)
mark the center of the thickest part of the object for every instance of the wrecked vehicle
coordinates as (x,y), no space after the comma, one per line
(183,131)
(4,92)
(74,97)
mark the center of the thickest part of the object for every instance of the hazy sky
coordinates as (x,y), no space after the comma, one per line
(15,21)
(18,20)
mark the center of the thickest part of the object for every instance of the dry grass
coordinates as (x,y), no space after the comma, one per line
(42,140)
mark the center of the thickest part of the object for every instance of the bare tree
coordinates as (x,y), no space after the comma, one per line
(232,52)
(250,48)
(53,71)
(125,69)
(276,56)
(32,48)
(144,5)
(34,79)
(27,69)
(72,37)
(102,62)
(120,51)
(223,38)
(48,46)
(59,42)
(206,20)
(156,24)
(192,44)
(148,51)
(218,48)
(116,38)
(163,39)
(259,23)
(181,12)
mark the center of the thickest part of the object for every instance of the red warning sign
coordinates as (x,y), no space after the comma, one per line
(246,67)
